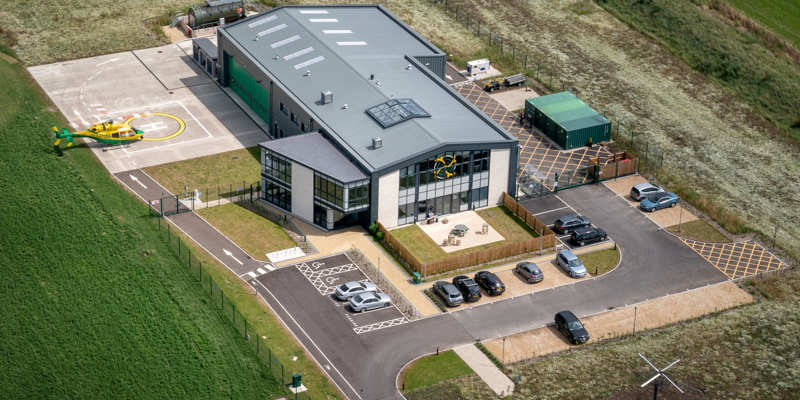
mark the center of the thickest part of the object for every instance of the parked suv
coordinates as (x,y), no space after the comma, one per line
(581,236)
(448,292)
(571,264)
(529,271)
(468,288)
(569,223)
(645,190)
(571,327)
(490,283)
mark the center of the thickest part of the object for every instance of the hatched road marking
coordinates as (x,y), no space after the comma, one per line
(736,260)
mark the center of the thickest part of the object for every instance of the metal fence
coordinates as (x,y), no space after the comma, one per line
(375,275)
(280,370)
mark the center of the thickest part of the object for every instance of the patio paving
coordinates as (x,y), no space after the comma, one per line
(439,231)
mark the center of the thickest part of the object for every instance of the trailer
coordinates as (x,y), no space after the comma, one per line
(509,81)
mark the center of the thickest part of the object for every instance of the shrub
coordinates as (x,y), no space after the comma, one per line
(373,228)
(379,236)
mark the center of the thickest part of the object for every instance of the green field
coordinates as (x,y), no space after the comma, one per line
(434,368)
(601,261)
(254,233)
(751,352)
(214,176)
(699,230)
(95,305)
(781,16)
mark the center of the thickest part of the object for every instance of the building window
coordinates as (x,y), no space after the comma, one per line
(346,198)
(276,167)
(293,119)
(357,197)
(302,127)
(448,183)
(283,109)
(276,193)
(328,190)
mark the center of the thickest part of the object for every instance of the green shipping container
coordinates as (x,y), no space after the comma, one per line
(247,88)
(567,120)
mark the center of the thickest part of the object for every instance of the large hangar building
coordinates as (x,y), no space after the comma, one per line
(365,127)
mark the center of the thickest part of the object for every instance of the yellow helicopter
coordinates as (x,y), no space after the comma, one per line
(105,132)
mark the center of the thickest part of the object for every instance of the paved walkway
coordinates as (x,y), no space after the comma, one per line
(647,315)
(485,368)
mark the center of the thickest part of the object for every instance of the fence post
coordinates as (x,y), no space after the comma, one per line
(230,189)
(169,235)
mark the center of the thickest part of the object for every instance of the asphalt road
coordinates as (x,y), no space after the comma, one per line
(365,366)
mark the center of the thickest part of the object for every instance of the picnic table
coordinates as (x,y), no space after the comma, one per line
(459,230)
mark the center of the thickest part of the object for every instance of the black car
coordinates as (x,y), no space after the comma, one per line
(581,236)
(571,327)
(569,223)
(529,271)
(490,283)
(448,292)
(468,288)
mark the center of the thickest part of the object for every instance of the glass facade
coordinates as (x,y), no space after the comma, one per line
(276,179)
(449,183)
(336,204)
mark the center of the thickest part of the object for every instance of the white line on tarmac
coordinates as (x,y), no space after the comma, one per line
(107,62)
(80,117)
(549,211)
(311,340)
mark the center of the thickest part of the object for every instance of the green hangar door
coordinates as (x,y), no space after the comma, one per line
(247,88)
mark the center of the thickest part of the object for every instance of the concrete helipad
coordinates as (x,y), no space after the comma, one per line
(182,112)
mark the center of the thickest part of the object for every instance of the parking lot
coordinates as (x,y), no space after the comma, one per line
(550,208)
(326,274)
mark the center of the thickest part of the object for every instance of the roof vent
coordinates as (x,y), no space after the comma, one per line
(377,143)
(345,106)
(307,73)
(275,57)
(408,67)
(326,97)
(377,83)
(371,76)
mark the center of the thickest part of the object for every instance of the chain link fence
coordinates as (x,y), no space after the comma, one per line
(281,371)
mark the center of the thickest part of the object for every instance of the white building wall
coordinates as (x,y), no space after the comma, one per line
(388,190)
(498,175)
(302,192)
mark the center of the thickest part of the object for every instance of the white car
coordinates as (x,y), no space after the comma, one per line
(369,301)
(350,289)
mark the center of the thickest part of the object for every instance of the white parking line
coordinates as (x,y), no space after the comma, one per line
(549,211)
(354,391)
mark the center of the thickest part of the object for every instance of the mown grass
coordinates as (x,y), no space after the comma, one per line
(781,16)
(699,230)
(501,219)
(434,369)
(749,353)
(95,305)
(214,176)
(601,261)
(254,233)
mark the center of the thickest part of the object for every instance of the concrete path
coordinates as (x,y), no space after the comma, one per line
(485,368)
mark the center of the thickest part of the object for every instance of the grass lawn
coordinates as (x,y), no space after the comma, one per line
(254,233)
(699,230)
(710,350)
(434,369)
(601,261)
(781,16)
(502,220)
(95,304)
(212,174)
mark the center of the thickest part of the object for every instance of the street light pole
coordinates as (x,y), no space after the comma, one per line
(680,216)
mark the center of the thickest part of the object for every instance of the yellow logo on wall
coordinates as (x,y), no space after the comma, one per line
(444,167)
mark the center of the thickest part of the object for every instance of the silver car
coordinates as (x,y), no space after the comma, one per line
(571,264)
(369,301)
(350,289)
(645,190)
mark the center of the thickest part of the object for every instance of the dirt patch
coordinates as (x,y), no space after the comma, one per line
(647,315)
(514,99)
(174,34)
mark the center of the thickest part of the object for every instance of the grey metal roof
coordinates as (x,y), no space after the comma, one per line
(317,153)
(207,45)
(308,49)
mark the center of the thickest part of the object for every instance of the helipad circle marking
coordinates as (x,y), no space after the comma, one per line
(181,125)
